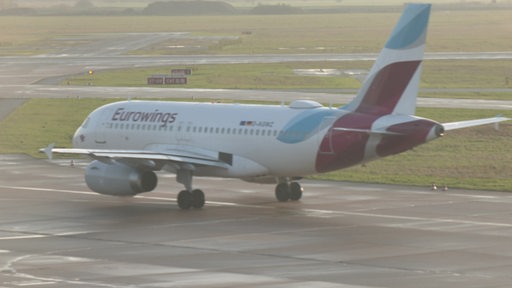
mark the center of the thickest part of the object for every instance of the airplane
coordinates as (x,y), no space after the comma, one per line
(130,140)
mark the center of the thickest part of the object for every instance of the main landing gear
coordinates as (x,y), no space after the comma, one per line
(194,198)
(189,197)
(286,190)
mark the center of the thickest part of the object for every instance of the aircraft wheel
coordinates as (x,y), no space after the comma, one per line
(197,198)
(185,200)
(295,191)
(282,192)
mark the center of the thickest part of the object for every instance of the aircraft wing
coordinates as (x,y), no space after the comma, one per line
(471,123)
(145,157)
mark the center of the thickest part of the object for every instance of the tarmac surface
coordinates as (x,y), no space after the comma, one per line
(54,232)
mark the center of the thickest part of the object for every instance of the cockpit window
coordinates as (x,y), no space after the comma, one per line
(86,123)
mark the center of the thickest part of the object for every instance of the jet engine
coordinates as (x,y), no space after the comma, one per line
(118,179)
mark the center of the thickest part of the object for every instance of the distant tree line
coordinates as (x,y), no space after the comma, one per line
(201,7)
(276,9)
(189,8)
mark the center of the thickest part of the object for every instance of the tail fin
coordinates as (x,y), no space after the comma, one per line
(393,82)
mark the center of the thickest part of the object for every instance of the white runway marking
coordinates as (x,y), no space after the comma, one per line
(45,235)
(312,212)
(47,190)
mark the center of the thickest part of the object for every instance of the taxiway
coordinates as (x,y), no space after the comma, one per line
(54,232)
(38,76)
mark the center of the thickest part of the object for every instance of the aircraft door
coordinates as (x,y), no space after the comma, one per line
(102,127)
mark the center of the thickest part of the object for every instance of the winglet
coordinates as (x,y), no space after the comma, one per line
(393,82)
(497,124)
(49,151)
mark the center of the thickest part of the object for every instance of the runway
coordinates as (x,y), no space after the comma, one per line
(38,76)
(55,233)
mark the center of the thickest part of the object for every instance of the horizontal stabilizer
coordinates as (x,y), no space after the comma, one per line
(471,123)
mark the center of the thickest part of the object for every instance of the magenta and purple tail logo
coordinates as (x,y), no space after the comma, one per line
(379,121)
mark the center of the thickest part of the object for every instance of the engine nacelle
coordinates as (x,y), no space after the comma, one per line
(118,179)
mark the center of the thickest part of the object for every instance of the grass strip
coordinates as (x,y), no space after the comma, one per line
(454,74)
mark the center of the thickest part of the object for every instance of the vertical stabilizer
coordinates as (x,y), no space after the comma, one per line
(393,82)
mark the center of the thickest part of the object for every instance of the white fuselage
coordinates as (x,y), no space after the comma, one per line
(248,132)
